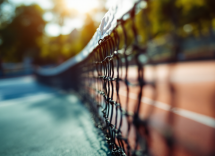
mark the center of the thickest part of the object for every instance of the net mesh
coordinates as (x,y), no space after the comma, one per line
(113,78)
(125,78)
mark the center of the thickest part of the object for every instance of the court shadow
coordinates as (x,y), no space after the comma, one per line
(60,107)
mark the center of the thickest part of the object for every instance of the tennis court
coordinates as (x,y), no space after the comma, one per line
(146,80)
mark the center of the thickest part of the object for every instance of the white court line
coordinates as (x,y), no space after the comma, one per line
(15,81)
(203,119)
(26,100)
(193,79)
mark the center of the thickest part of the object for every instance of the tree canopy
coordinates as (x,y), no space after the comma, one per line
(20,35)
(23,34)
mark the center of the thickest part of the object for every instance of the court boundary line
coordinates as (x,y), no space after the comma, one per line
(200,118)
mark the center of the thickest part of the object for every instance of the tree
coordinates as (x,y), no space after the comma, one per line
(2,12)
(19,36)
(61,12)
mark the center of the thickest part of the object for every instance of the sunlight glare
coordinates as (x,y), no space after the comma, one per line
(83,6)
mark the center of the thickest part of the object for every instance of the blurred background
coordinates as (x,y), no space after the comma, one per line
(45,32)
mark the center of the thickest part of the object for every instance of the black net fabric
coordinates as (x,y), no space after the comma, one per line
(102,78)
(107,71)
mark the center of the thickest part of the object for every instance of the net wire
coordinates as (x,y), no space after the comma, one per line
(102,77)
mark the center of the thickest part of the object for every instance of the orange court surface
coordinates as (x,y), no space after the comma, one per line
(181,103)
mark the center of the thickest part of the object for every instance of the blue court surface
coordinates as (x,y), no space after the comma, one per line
(36,120)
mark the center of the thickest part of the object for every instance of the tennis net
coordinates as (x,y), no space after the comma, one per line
(147,85)
(116,80)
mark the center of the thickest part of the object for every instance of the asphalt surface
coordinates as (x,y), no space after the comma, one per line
(39,121)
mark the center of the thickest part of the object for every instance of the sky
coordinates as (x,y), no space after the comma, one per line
(53,29)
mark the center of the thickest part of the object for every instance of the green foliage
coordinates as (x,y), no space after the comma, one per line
(63,47)
(164,25)
(19,36)
(163,17)
(23,35)
(60,48)
(160,22)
